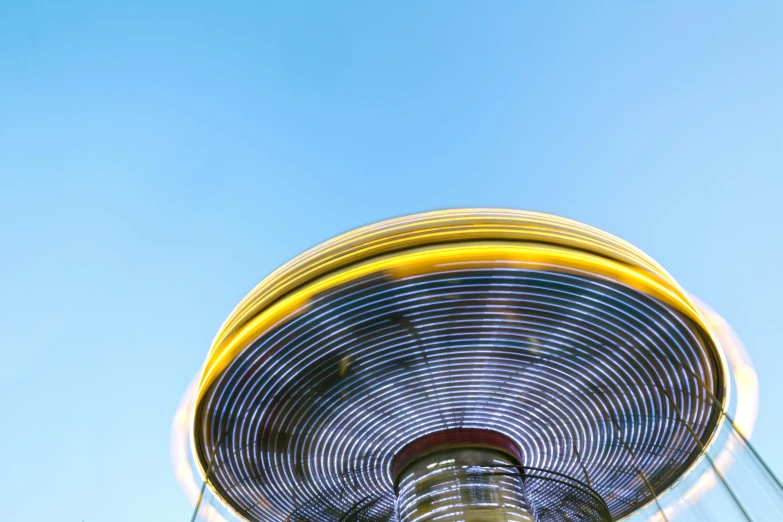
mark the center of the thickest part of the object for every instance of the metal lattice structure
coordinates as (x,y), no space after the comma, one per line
(572,344)
(554,497)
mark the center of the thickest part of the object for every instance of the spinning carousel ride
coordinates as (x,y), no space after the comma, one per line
(465,365)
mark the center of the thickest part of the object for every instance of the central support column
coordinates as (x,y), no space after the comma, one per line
(464,475)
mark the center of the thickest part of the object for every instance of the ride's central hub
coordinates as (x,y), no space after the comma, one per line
(469,475)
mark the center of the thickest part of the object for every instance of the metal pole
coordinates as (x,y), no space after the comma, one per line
(738,432)
(639,471)
(718,403)
(709,458)
(206,474)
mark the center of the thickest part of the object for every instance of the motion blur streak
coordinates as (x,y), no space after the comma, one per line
(747,403)
(182,451)
(595,365)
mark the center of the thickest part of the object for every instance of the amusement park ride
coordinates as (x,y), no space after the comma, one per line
(473,365)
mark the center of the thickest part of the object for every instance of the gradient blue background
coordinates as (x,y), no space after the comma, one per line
(158,159)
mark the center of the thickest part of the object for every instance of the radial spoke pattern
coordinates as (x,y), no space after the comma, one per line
(580,371)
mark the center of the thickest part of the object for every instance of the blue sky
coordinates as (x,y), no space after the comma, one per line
(157,159)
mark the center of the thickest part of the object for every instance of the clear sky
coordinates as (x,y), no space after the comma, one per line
(157,159)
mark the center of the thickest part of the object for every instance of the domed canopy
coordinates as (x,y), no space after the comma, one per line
(564,339)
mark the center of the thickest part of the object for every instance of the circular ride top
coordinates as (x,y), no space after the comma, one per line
(476,359)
